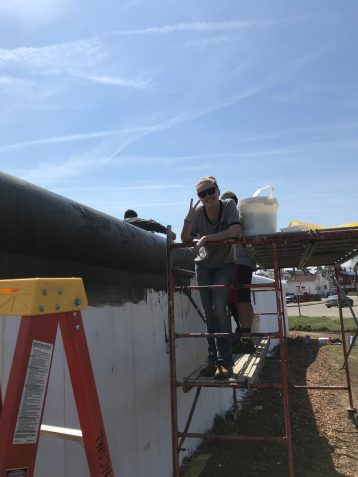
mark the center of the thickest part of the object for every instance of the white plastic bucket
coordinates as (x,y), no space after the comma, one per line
(259,214)
(323,341)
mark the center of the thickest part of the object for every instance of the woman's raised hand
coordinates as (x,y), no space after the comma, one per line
(191,213)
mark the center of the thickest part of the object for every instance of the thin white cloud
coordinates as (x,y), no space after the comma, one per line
(289,73)
(79,59)
(64,56)
(140,130)
(8,81)
(132,3)
(60,139)
(121,188)
(196,27)
(299,63)
(193,115)
(14,86)
(125,137)
(322,128)
(34,12)
(93,159)
(276,157)
(96,159)
(90,160)
(46,173)
(54,58)
(212,158)
(161,203)
(207,42)
(324,143)
(149,187)
(27,92)
(140,83)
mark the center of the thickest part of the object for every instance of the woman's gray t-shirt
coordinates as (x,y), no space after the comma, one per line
(215,255)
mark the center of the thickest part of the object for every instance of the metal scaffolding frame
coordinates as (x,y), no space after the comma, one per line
(280,250)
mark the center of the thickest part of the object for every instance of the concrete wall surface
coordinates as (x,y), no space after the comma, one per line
(131,367)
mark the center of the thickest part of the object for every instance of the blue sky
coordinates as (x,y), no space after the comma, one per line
(126,104)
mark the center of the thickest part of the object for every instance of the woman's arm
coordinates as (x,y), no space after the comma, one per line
(234,231)
(186,231)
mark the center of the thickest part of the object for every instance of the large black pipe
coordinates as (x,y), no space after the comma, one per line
(37,222)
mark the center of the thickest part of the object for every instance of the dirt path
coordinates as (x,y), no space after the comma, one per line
(325,441)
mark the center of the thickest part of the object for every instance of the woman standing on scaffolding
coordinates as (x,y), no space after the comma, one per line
(213,220)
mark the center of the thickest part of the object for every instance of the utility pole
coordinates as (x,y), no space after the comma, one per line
(298,299)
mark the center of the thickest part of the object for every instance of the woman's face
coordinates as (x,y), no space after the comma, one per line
(208,193)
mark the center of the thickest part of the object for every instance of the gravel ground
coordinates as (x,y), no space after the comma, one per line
(325,441)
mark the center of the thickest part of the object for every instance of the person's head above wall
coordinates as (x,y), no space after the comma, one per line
(130,214)
(229,195)
(210,180)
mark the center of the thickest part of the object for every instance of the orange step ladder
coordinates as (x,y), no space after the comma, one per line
(44,304)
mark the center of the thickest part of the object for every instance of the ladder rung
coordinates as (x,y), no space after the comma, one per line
(264,314)
(257,287)
(223,335)
(319,388)
(62,433)
(233,437)
(187,385)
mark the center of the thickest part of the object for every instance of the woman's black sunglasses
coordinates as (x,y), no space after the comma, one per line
(206,192)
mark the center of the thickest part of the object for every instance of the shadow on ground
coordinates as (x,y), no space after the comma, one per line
(262,414)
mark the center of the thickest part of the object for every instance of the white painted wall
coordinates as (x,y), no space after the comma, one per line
(314,287)
(265,302)
(131,368)
(322,285)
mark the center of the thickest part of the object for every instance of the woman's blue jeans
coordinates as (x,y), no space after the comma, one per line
(214,301)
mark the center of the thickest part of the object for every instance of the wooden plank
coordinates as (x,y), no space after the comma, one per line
(246,368)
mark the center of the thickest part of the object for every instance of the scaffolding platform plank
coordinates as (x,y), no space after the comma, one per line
(246,369)
(305,248)
(331,246)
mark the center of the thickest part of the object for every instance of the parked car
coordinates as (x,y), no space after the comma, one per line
(291,298)
(332,300)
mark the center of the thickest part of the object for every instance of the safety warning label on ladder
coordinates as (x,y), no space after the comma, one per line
(28,419)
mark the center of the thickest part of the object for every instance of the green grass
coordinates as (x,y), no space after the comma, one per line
(319,323)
